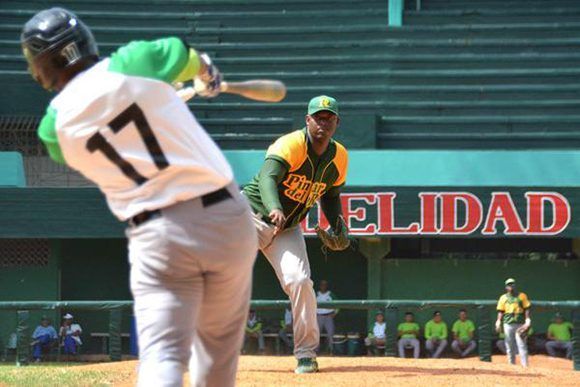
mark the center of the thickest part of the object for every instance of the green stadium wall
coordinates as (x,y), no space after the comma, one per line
(430,279)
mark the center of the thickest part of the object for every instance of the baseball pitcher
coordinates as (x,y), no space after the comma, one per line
(301,168)
(192,243)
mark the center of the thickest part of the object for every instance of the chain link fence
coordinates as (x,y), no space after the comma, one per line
(18,133)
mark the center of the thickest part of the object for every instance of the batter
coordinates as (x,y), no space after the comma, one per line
(192,243)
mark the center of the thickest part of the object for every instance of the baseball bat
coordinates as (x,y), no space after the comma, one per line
(265,90)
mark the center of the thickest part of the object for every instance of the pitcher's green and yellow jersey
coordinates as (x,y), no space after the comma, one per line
(513,307)
(308,175)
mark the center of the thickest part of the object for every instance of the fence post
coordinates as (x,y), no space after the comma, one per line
(115,317)
(396,13)
(23,338)
(576,339)
(484,333)
(391,317)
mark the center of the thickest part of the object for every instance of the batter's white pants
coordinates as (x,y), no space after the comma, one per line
(287,254)
(191,275)
(513,339)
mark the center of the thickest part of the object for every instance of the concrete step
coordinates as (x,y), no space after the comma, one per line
(478,139)
(373,31)
(492,4)
(537,123)
(192,6)
(105,18)
(217,108)
(492,16)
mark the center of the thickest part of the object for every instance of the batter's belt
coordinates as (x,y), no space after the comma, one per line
(206,201)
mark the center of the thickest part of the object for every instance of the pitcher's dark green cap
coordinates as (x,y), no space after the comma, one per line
(322,102)
(510,281)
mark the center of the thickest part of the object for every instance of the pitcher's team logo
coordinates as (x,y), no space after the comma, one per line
(324,102)
(301,190)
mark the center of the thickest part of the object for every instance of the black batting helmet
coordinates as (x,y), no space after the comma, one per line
(54,40)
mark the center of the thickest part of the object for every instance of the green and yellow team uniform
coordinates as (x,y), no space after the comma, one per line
(292,179)
(513,307)
(302,177)
(463,329)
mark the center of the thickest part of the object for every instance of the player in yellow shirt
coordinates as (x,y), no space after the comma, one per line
(513,311)
(559,336)
(409,333)
(463,329)
(436,335)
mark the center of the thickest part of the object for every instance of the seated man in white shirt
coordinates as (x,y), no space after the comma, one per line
(377,335)
(70,334)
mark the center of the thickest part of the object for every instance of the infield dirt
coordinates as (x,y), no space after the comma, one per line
(367,371)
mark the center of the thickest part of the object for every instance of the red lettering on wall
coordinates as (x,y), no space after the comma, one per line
(386,216)
(429,212)
(450,202)
(561,211)
(351,211)
(502,209)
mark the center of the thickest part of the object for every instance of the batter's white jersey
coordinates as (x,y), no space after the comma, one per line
(121,124)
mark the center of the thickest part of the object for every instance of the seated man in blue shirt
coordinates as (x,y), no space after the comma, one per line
(43,337)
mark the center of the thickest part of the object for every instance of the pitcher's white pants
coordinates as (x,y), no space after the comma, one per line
(287,254)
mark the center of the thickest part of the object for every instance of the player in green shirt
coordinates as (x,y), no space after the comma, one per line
(559,336)
(436,335)
(463,329)
(408,333)
(254,330)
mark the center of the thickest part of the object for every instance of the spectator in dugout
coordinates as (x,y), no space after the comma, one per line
(254,330)
(559,337)
(375,340)
(325,316)
(286,329)
(463,330)
(70,334)
(436,335)
(43,338)
(408,335)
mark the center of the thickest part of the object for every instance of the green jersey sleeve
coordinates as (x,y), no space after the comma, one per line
(271,175)
(47,134)
(331,205)
(167,60)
